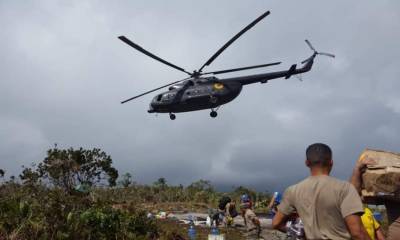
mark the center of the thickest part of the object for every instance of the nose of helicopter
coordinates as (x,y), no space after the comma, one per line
(151,109)
(153,104)
(159,104)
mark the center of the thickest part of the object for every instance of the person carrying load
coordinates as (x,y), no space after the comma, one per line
(369,160)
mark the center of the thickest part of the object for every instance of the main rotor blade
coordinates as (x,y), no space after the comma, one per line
(153,90)
(144,51)
(243,68)
(309,44)
(233,39)
(326,54)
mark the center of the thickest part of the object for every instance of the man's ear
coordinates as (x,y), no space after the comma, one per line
(331,162)
(307,163)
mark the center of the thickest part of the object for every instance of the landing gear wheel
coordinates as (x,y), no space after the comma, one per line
(213,114)
(172,116)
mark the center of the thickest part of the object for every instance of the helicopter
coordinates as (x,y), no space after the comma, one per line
(202,90)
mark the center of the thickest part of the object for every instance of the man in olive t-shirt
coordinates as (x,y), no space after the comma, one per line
(329,208)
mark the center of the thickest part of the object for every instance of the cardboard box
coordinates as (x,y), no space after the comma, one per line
(381,181)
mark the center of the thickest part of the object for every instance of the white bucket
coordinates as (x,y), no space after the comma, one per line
(216,237)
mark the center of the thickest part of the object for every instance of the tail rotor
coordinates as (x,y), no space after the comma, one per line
(316,52)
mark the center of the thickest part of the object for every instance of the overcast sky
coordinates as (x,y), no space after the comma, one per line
(63,73)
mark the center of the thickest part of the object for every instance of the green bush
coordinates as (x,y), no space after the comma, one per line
(61,198)
(55,215)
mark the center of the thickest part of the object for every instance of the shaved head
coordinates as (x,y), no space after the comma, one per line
(319,154)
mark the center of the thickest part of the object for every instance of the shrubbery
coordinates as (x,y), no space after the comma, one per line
(58,216)
(47,203)
(71,194)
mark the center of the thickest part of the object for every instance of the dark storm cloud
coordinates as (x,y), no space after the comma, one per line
(63,73)
(347,131)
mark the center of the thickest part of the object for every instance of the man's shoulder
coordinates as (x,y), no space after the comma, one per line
(337,181)
(332,182)
(340,184)
(292,189)
(303,183)
(295,186)
(327,180)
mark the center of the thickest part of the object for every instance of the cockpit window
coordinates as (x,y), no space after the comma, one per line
(159,97)
(169,96)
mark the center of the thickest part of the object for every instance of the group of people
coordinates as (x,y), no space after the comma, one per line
(321,206)
(227,211)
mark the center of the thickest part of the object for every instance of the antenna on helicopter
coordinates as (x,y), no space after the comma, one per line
(316,53)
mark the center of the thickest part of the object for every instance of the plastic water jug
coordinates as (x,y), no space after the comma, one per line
(378,216)
(214,231)
(192,232)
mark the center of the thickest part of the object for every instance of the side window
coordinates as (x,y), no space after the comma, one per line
(169,96)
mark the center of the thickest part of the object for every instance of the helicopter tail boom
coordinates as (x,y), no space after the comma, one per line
(264,77)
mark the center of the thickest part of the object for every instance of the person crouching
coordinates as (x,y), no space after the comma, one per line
(251,221)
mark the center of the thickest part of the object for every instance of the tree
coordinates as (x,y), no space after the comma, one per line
(68,168)
(29,176)
(1,173)
(201,185)
(126,180)
(160,183)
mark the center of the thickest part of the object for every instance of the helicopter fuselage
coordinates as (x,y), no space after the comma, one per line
(195,94)
(210,92)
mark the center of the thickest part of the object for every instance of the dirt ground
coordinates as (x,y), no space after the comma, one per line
(238,230)
(181,212)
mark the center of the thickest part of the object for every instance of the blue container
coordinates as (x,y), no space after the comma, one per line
(214,231)
(192,232)
(378,216)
